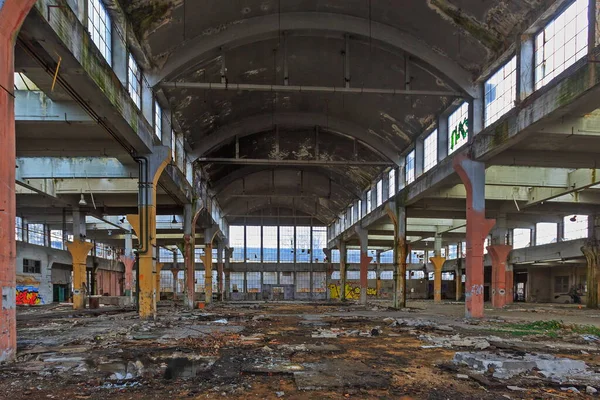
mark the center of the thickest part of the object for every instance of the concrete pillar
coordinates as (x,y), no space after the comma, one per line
(397,213)
(12,14)
(458,279)
(365,260)
(438,264)
(591,251)
(328,272)
(472,174)
(343,259)
(209,234)
(510,284)
(175,273)
(499,254)
(144,224)
(128,262)
(189,254)
(378,275)
(228,254)
(159,267)
(220,251)
(79,250)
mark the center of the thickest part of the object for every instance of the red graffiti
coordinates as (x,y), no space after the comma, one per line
(28,296)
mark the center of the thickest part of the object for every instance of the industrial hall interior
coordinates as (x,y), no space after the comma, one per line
(299,199)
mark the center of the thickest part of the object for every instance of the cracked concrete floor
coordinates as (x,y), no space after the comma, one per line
(279,350)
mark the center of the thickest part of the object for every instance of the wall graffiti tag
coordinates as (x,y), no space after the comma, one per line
(352,291)
(28,295)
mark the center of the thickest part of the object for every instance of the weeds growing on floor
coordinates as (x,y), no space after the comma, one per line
(552,328)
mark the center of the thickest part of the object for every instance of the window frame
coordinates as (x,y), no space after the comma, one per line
(495,117)
(158,112)
(105,47)
(136,74)
(429,164)
(412,170)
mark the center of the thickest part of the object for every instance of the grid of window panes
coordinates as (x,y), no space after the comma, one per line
(269,244)
(35,234)
(165,255)
(353,256)
(270,278)
(391,183)
(319,282)
(157,120)
(134,81)
(99,26)
(360,215)
(303,244)
(387,257)
(18,228)
(545,233)
(379,193)
(410,167)
(521,238)
(287,244)
(335,256)
(319,241)
(575,227)
(173,146)
(430,151)
(236,240)
(253,243)
(561,43)
(56,239)
(253,282)
(236,282)
(458,128)
(303,282)
(452,251)
(286,278)
(369,201)
(501,92)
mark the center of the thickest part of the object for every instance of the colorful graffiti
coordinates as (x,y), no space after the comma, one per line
(28,295)
(352,291)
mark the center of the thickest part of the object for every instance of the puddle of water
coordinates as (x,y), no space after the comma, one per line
(182,367)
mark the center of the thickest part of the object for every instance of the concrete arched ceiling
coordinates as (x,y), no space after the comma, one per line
(427,45)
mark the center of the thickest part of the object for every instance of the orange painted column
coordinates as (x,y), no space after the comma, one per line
(472,174)
(458,279)
(79,250)
(510,285)
(12,14)
(438,264)
(159,267)
(207,261)
(365,260)
(499,254)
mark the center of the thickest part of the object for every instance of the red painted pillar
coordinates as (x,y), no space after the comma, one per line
(472,174)
(499,254)
(365,260)
(12,14)
(189,258)
(128,261)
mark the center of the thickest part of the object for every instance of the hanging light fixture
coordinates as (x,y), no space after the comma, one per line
(82,201)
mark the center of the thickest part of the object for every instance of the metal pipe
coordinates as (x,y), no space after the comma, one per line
(321,163)
(307,89)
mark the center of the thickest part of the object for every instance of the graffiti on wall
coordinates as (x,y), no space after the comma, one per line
(28,295)
(352,291)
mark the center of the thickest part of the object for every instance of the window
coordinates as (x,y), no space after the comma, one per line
(269,244)
(56,239)
(286,278)
(392,183)
(452,251)
(99,27)
(253,282)
(561,284)
(319,282)
(319,242)
(286,244)
(430,151)
(561,43)
(576,227)
(32,266)
(270,278)
(253,248)
(236,240)
(22,82)
(369,201)
(545,232)
(134,81)
(360,209)
(352,210)
(303,244)
(18,228)
(157,120)
(501,92)
(410,167)
(458,128)
(521,238)
(35,234)
(379,193)
(237,282)
(173,144)
(303,282)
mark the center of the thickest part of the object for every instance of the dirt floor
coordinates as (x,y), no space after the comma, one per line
(305,351)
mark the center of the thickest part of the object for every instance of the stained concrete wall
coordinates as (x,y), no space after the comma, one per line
(36,289)
(541,283)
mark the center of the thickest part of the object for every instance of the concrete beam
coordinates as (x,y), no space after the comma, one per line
(76,186)
(526,176)
(576,181)
(271,25)
(72,168)
(36,106)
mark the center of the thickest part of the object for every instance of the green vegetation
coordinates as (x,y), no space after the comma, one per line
(552,328)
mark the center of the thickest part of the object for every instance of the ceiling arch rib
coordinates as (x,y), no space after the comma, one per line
(340,181)
(261,123)
(257,28)
(322,214)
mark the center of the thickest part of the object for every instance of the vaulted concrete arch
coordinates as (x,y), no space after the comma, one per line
(252,29)
(264,122)
(339,180)
(324,216)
